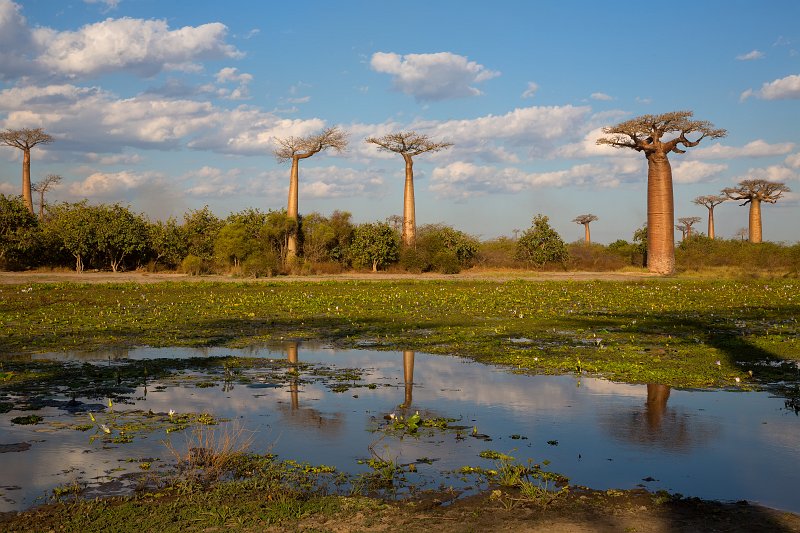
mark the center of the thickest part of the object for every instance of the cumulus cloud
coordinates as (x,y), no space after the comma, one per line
(462,180)
(144,47)
(695,171)
(338,182)
(750,56)
(530,92)
(793,160)
(111,185)
(232,75)
(212,182)
(771,173)
(601,96)
(113,159)
(787,88)
(757,148)
(432,77)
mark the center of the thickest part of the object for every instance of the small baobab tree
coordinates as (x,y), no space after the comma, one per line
(754,192)
(658,136)
(585,220)
(49,181)
(710,202)
(408,144)
(296,148)
(686,223)
(25,139)
(683,229)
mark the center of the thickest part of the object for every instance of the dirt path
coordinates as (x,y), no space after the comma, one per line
(7,278)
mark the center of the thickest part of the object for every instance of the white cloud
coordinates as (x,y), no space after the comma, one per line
(530,92)
(749,56)
(601,96)
(111,185)
(212,182)
(463,180)
(431,77)
(232,75)
(695,171)
(770,173)
(337,182)
(787,88)
(757,148)
(9,189)
(144,47)
(793,160)
(115,159)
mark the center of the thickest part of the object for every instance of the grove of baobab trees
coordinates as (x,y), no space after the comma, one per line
(754,192)
(408,144)
(658,136)
(710,202)
(25,139)
(585,220)
(296,148)
(686,224)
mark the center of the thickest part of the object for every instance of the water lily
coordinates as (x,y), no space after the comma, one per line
(171,413)
(105,428)
(737,380)
(92,417)
(718,363)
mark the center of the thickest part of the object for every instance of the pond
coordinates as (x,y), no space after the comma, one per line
(337,407)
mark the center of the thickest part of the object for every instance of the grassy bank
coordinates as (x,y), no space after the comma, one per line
(679,332)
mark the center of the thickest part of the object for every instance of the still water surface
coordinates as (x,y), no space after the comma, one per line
(724,445)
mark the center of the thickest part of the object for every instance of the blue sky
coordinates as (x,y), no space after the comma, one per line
(169,106)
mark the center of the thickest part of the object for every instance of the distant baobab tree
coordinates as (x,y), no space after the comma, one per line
(710,202)
(646,134)
(296,148)
(585,220)
(742,233)
(683,229)
(687,223)
(408,144)
(42,187)
(754,192)
(25,139)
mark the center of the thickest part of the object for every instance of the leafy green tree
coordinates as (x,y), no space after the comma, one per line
(168,242)
(234,244)
(318,237)
(120,234)
(541,244)
(279,232)
(375,245)
(74,228)
(20,235)
(201,227)
(439,248)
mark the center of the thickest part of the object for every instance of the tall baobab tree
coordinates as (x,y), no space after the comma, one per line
(42,187)
(754,192)
(586,220)
(408,144)
(25,139)
(710,202)
(658,136)
(687,223)
(296,148)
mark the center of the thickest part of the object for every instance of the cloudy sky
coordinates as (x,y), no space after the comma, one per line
(169,106)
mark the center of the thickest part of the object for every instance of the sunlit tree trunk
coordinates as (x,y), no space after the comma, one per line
(657,396)
(755,220)
(291,209)
(291,356)
(660,215)
(711,223)
(587,235)
(409,218)
(26,180)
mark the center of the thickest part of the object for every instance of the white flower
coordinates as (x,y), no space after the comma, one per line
(737,380)
(718,363)
(171,413)
(105,428)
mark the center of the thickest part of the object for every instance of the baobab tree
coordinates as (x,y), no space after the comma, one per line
(296,148)
(42,187)
(710,202)
(408,144)
(585,220)
(683,229)
(687,223)
(25,139)
(754,192)
(647,134)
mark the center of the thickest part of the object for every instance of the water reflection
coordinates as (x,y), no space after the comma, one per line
(603,434)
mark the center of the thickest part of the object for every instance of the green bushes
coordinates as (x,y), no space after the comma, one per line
(698,252)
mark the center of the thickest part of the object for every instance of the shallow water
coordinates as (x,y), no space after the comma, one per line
(725,445)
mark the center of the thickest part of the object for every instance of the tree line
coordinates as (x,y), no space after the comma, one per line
(656,136)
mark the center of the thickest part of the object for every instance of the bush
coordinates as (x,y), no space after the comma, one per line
(411,260)
(192,265)
(262,264)
(594,257)
(446,262)
(541,245)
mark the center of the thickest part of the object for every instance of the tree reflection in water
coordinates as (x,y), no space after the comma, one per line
(408,378)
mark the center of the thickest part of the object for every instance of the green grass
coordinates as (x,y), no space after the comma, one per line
(669,331)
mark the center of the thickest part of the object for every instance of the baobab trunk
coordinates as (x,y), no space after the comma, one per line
(711,224)
(587,236)
(291,209)
(408,377)
(26,180)
(755,220)
(660,215)
(409,218)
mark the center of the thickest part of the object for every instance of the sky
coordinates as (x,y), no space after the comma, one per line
(170,106)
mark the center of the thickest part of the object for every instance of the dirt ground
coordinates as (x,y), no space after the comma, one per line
(7,278)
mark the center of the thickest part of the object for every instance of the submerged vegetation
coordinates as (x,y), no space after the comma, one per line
(682,332)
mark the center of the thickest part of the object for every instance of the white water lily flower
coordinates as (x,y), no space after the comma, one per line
(105,428)
(718,363)
(171,413)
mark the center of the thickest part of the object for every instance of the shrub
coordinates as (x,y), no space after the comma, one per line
(262,264)
(192,265)
(541,245)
